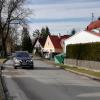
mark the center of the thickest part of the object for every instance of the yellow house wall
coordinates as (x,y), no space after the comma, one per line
(49,46)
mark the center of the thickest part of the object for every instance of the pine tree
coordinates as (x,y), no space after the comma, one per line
(26,41)
(73,31)
(45,32)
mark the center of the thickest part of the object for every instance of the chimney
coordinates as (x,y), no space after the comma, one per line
(59,35)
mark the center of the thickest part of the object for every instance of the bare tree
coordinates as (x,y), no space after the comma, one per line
(13,38)
(37,34)
(11,12)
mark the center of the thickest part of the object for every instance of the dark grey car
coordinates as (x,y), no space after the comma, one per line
(22,59)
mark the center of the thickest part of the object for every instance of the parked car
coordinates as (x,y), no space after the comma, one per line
(47,55)
(22,59)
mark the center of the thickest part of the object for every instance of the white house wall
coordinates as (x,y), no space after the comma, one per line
(82,37)
(37,44)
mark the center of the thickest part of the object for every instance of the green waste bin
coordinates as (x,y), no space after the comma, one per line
(59,59)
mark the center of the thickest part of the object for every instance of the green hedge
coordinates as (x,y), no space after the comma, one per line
(89,51)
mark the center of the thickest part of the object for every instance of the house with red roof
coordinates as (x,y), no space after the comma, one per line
(54,43)
(93,26)
(39,44)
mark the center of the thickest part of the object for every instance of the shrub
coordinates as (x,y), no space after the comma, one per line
(89,51)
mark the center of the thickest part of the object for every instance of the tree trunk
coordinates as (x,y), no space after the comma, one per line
(4,49)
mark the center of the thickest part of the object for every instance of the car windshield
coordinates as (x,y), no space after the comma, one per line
(22,54)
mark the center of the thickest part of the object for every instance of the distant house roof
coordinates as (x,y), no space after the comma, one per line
(64,37)
(56,40)
(42,41)
(34,42)
(93,25)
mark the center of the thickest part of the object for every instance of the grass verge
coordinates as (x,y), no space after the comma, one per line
(81,70)
(2,60)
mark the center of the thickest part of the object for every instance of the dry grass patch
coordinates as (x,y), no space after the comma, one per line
(82,70)
(2,60)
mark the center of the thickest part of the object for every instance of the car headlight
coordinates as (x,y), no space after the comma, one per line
(17,60)
(31,60)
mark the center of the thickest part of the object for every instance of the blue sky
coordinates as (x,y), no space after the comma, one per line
(61,16)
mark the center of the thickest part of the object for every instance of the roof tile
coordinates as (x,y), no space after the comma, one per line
(93,25)
(56,40)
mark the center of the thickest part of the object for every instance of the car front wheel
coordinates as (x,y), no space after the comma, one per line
(31,67)
(15,67)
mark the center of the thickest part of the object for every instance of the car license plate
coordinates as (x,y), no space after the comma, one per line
(24,63)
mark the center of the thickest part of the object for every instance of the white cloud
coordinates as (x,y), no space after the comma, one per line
(62,11)
(55,28)
(65,10)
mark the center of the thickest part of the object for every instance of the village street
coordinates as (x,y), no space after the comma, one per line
(46,82)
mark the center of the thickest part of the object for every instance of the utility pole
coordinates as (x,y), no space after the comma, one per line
(92,16)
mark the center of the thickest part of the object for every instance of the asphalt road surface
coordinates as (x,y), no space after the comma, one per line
(46,82)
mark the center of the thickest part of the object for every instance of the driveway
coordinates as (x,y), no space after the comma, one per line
(46,82)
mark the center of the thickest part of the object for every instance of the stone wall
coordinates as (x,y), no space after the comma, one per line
(83,63)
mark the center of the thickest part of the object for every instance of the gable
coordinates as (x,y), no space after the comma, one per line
(48,43)
(55,43)
(37,44)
